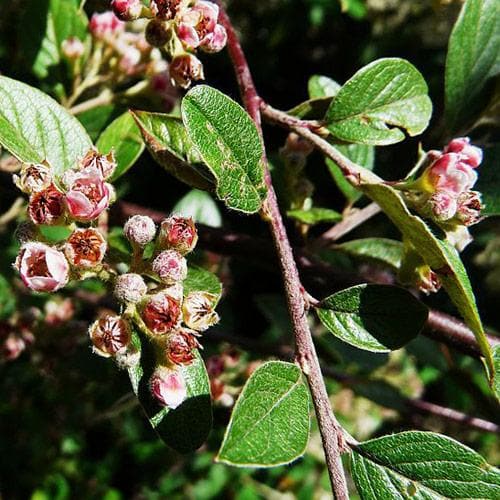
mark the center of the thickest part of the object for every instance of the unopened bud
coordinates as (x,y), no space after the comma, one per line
(442,206)
(140,230)
(180,347)
(33,178)
(105,25)
(158,33)
(472,155)
(427,280)
(198,311)
(127,10)
(72,48)
(214,41)
(185,69)
(85,248)
(12,347)
(170,266)
(178,233)
(130,288)
(161,313)
(110,335)
(168,387)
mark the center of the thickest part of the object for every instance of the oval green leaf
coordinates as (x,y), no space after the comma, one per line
(383,250)
(423,466)
(378,101)
(34,127)
(377,318)
(230,145)
(187,427)
(270,421)
(124,138)
(315,215)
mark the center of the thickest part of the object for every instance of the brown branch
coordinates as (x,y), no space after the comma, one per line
(330,429)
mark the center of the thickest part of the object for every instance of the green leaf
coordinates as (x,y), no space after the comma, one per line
(360,154)
(377,318)
(315,215)
(186,428)
(386,251)
(322,86)
(168,142)
(473,57)
(378,101)
(228,141)
(96,119)
(270,421)
(7,299)
(201,207)
(201,280)
(421,465)
(34,127)
(488,183)
(124,138)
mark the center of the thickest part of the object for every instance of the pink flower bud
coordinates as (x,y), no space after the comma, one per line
(469,208)
(42,268)
(215,41)
(449,173)
(427,280)
(184,69)
(110,335)
(33,178)
(58,312)
(127,10)
(168,387)
(162,313)
(167,9)
(104,26)
(88,195)
(471,155)
(12,347)
(72,48)
(85,248)
(170,266)
(198,311)
(178,233)
(158,32)
(47,206)
(140,230)
(180,347)
(130,288)
(105,164)
(442,205)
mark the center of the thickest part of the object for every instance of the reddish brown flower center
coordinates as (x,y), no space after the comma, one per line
(86,245)
(37,266)
(46,206)
(161,315)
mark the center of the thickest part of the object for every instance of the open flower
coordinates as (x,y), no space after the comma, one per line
(198,311)
(110,335)
(42,268)
(105,164)
(184,69)
(167,9)
(178,233)
(47,206)
(196,23)
(162,313)
(88,195)
(469,208)
(85,247)
(168,387)
(180,347)
(33,178)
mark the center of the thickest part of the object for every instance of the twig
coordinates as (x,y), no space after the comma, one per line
(106,97)
(330,429)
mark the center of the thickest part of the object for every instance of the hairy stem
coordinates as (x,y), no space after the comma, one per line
(306,356)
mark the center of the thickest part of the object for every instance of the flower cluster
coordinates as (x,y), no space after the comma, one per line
(79,197)
(444,190)
(171,319)
(180,27)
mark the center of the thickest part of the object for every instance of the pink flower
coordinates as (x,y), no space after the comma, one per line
(184,69)
(42,268)
(72,48)
(215,41)
(88,195)
(471,155)
(47,206)
(162,313)
(450,173)
(105,164)
(168,387)
(105,25)
(127,10)
(443,206)
(178,233)
(197,23)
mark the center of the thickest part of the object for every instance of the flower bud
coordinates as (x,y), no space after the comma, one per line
(180,347)
(184,69)
(178,233)
(85,248)
(110,335)
(127,10)
(170,266)
(168,387)
(162,313)
(72,48)
(33,178)
(427,280)
(472,155)
(140,230)
(442,206)
(47,206)
(12,347)
(215,41)
(158,33)
(42,268)
(198,311)
(130,288)
(469,208)
(167,9)
(58,312)
(105,164)
(105,25)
